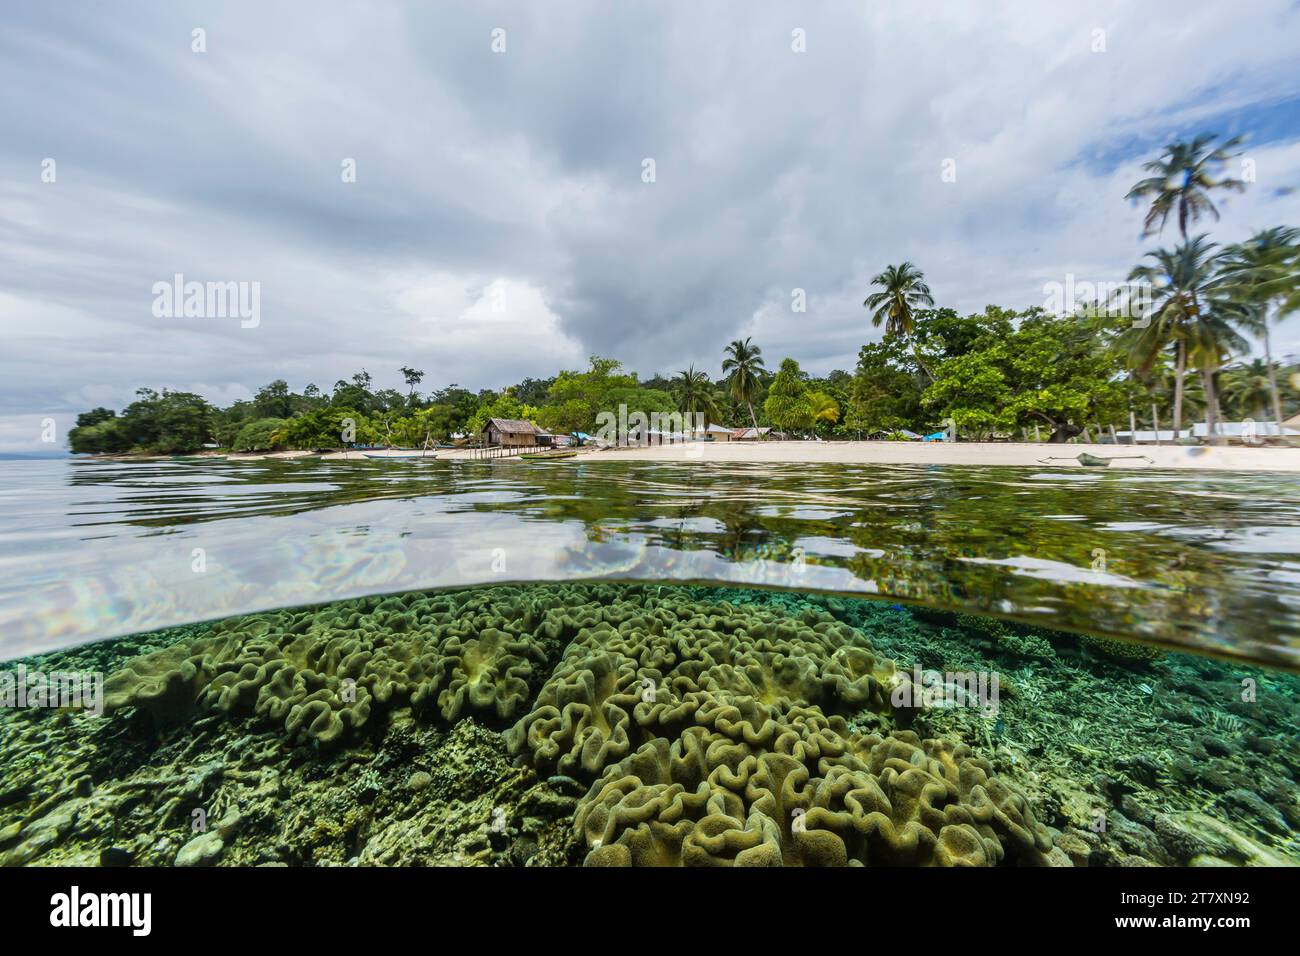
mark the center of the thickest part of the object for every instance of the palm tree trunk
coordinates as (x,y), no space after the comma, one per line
(1272,378)
(1211,406)
(752,417)
(1180,370)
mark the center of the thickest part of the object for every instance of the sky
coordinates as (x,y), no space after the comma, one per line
(537,183)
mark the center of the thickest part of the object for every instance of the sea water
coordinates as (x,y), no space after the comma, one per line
(512,664)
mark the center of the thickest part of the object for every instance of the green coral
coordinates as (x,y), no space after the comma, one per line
(722,736)
(1123,650)
(707,732)
(646,672)
(320,672)
(824,796)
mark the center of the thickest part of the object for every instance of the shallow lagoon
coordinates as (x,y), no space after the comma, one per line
(753,720)
(1202,561)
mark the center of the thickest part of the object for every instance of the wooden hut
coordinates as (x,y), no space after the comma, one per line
(514,433)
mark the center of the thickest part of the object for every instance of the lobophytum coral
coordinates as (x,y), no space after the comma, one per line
(709,732)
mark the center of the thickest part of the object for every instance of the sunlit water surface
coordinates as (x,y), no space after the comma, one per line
(1206,562)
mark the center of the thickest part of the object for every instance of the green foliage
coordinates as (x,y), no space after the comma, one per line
(157,423)
(327,428)
(503,406)
(433,424)
(103,437)
(640,399)
(1050,371)
(745,373)
(258,435)
(95,416)
(823,406)
(885,392)
(788,405)
(576,398)
(902,292)
(694,395)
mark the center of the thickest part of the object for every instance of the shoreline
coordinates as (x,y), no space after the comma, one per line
(1003,454)
(992,454)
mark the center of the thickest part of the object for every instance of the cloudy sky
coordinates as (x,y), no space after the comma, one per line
(500,224)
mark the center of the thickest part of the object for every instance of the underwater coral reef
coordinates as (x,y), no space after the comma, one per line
(613,724)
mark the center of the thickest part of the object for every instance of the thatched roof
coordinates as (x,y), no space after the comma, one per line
(513,426)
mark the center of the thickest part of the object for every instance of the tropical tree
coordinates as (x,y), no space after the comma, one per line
(504,405)
(787,405)
(1181,180)
(1048,371)
(326,428)
(885,394)
(1248,389)
(823,406)
(1212,342)
(744,369)
(258,435)
(576,399)
(694,395)
(1263,275)
(413,377)
(902,291)
(1189,312)
(164,422)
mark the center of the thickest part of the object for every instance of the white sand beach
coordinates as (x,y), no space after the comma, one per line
(1016,454)
(1214,458)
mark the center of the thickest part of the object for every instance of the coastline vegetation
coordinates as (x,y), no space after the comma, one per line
(997,373)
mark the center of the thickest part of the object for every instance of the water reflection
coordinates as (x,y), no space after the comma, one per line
(94,549)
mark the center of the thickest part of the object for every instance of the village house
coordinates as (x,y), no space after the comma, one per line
(514,433)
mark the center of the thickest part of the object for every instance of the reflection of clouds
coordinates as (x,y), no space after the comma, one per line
(1058,571)
(1276,539)
(830,547)
(691,525)
(91,550)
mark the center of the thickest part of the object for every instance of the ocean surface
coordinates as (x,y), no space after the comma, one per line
(1208,562)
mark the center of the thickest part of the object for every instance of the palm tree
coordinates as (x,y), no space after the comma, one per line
(1211,342)
(743,367)
(903,290)
(1190,310)
(694,394)
(1248,388)
(1263,275)
(824,407)
(1183,177)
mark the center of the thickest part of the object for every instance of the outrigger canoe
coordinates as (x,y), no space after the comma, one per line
(547,455)
(416,455)
(1093,461)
